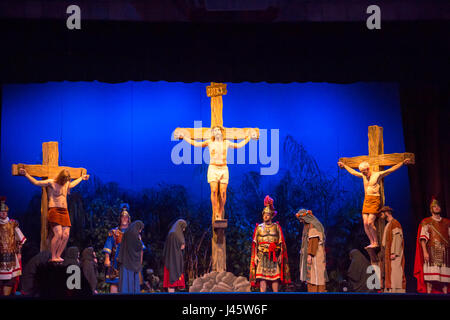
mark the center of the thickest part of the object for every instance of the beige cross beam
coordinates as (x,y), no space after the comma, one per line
(48,169)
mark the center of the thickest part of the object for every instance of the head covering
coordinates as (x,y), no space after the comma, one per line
(387,208)
(309,219)
(173,256)
(131,247)
(3,206)
(434,202)
(268,206)
(71,256)
(357,272)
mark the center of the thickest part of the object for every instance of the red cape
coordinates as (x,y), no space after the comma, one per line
(418,264)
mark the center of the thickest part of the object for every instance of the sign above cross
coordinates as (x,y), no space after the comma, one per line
(48,169)
(215,91)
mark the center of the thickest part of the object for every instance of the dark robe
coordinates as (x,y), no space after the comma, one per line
(28,279)
(131,247)
(357,272)
(173,255)
(89,267)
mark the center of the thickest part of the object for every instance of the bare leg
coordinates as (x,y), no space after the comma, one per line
(366,226)
(214,197)
(445,288)
(429,285)
(263,286)
(223,199)
(63,243)
(113,289)
(373,230)
(55,242)
(275,286)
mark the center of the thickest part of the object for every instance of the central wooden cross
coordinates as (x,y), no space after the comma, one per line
(48,169)
(215,91)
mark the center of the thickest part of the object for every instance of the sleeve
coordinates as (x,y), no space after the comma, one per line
(19,237)
(313,245)
(397,240)
(109,243)
(424,233)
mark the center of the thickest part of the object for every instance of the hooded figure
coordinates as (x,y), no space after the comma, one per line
(71,256)
(357,272)
(89,267)
(312,270)
(130,258)
(28,281)
(173,256)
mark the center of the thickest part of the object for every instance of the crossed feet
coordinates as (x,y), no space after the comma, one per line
(372,245)
(56,260)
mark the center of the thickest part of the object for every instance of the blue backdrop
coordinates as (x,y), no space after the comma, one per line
(122,132)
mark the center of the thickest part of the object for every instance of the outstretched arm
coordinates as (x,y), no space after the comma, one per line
(350,170)
(250,135)
(39,183)
(75,182)
(393,168)
(185,136)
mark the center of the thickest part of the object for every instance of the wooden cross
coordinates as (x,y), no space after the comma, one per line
(48,169)
(377,160)
(215,91)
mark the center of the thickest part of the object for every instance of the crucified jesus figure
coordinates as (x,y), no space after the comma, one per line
(372,197)
(58,215)
(218,169)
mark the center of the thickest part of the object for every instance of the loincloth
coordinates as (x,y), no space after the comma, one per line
(59,216)
(372,204)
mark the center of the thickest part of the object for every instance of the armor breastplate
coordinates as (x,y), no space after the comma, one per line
(7,238)
(117,234)
(268,233)
(438,244)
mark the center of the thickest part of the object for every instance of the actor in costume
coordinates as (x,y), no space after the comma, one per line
(173,257)
(58,215)
(112,247)
(394,260)
(313,269)
(372,198)
(130,258)
(28,279)
(89,267)
(357,273)
(11,241)
(218,169)
(432,262)
(269,260)
(71,257)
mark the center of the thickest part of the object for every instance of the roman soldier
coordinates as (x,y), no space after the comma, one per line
(11,241)
(432,262)
(269,260)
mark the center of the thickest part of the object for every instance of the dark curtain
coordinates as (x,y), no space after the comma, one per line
(426,121)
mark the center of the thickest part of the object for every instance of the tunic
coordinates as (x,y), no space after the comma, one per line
(11,239)
(393,243)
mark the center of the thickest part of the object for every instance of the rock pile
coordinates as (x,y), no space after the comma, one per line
(220,282)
